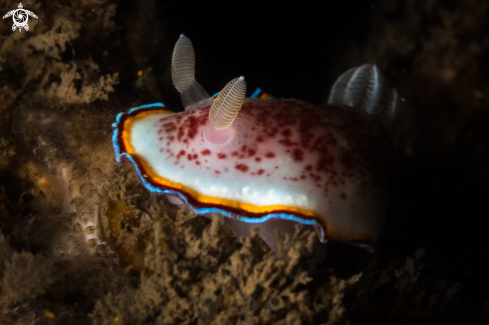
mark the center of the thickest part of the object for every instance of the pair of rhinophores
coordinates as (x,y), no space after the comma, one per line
(272,162)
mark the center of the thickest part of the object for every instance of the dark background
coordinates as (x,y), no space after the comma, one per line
(289,51)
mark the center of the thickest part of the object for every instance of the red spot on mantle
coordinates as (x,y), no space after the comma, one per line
(221,155)
(260,171)
(324,162)
(270,154)
(242,167)
(286,142)
(181,153)
(206,152)
(169,127)
(343,196)
(298,154)
(193,126)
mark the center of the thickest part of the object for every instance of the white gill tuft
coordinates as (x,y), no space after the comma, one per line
(359,87)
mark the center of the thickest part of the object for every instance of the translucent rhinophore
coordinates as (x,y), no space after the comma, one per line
(183,72)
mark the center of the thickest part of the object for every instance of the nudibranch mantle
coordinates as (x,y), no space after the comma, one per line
(288,159)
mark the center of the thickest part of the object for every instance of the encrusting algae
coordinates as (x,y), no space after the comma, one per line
(199,279)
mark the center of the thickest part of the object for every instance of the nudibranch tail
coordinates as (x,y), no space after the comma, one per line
(227,105)
(183,73)
(359,87)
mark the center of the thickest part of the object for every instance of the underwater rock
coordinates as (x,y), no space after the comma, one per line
(198,278)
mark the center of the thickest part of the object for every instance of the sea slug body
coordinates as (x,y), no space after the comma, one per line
(273,162)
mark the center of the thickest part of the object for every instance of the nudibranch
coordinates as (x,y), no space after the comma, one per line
(274,162)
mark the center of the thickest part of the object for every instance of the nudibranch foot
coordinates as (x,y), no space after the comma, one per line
(271,162)
(266,230)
